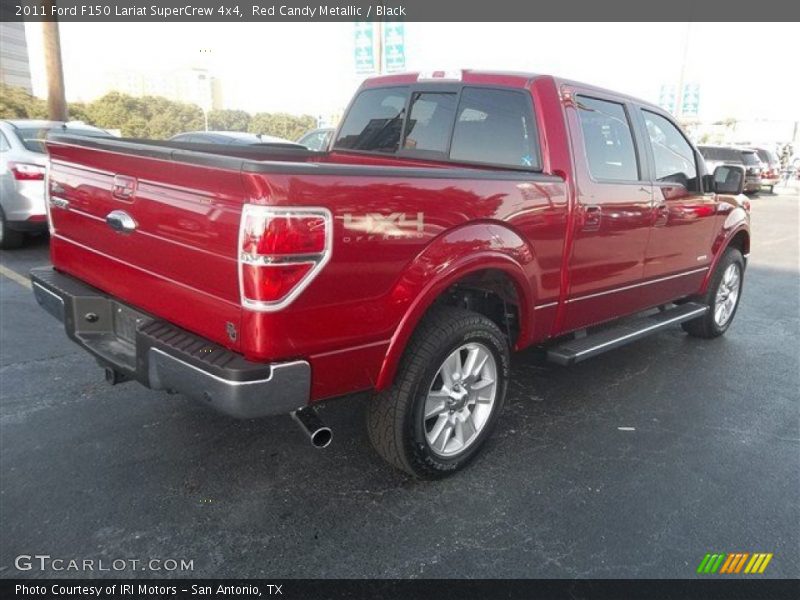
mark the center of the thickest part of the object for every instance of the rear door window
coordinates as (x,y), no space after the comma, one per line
(495,127)
(608,140)
(374,122)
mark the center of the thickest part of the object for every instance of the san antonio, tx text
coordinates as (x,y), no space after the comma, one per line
(129,589)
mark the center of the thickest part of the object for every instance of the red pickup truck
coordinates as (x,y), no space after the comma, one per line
(456,216)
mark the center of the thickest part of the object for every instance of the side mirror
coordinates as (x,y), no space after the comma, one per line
(728,179)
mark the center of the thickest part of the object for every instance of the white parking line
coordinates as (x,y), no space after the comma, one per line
(15,277)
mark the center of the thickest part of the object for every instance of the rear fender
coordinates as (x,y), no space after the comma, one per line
(447,260)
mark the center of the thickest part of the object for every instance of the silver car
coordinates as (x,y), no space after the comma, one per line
(317,139)
(23,159)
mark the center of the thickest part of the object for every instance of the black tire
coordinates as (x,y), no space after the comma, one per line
(707,326)
(395,417)
(9,238)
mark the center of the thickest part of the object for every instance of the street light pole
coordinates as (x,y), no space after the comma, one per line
(682,77)
(379,56)
(56,99)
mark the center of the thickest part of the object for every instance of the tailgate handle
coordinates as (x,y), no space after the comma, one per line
(120,221)
(123,187)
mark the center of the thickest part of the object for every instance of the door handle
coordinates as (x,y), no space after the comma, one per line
(591,217)
(661,214)
(120,221)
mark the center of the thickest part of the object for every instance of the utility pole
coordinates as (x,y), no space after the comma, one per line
(56,100)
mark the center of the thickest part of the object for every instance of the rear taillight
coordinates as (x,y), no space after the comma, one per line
(26,171)
(281,250)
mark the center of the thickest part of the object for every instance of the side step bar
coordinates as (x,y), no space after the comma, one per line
(578,350)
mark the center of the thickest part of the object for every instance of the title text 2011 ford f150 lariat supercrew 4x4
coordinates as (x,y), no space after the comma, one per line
(456,217)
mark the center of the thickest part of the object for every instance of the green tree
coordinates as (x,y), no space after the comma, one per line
(17,103)
(281,125)
(148,117)
(228,120)
(117,111)
(167,118)
(78,112)
(153,116)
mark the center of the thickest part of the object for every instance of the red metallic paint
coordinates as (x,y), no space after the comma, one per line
(353,321)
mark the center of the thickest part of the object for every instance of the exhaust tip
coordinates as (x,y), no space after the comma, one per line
(309,421)
(322,438)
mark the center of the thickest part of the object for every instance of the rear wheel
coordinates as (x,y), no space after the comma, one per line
(447,396)
(722,297)
(9,238)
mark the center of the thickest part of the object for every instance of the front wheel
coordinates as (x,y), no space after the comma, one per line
(721,297)
(447,396)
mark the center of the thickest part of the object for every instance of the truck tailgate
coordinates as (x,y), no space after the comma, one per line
(179,260)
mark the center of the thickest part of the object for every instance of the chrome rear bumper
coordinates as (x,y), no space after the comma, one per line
(136,346)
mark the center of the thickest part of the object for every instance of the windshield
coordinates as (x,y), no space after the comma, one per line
(33,137)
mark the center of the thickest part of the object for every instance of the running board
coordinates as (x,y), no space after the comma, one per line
(575,351)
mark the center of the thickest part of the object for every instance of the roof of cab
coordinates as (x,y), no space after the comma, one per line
(503,78)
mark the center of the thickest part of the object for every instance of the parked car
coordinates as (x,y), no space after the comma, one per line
(317,139)
(753,168)
(23,159)
(715,156)
(770,168)
(232,138)
(438,234)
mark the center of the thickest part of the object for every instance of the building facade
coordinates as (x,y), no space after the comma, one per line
(193,85)
(15,68)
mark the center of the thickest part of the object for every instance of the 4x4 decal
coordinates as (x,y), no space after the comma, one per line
(394,225)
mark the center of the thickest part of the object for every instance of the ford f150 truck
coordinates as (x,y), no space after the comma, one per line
(456,217)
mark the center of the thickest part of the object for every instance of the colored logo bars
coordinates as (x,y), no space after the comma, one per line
(734,562)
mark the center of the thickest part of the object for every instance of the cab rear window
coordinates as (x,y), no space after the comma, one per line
(495,127)
(374,122)
(487,126)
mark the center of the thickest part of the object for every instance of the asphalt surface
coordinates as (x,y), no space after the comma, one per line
(711,464)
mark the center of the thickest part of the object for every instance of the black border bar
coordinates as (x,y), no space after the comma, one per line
(242,11)
(711,588)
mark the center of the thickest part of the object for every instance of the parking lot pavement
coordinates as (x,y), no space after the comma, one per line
(634,464)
